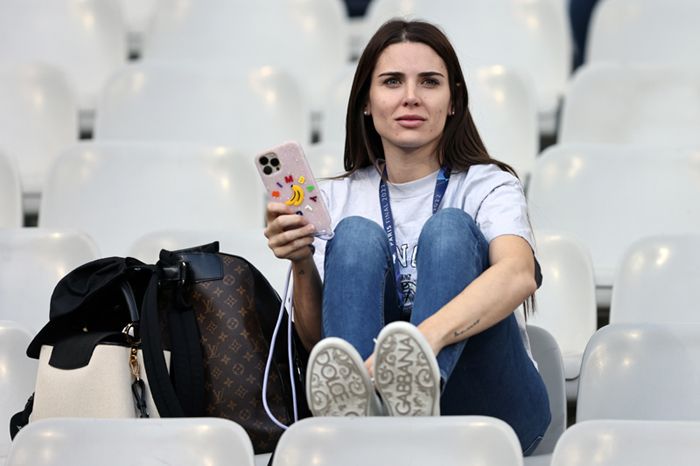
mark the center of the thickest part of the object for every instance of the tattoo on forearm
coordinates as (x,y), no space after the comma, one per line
(302,272)
(459,333)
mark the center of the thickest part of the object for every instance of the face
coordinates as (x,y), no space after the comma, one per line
(409,98)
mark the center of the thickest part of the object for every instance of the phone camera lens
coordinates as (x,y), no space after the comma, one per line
(267,169)
(274,162)
(263,160)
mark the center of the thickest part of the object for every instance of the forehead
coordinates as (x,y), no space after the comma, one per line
(409,57)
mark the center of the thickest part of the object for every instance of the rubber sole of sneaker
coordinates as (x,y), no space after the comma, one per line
(406,374)
(337,383)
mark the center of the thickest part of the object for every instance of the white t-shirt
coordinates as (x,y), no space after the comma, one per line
(492,197)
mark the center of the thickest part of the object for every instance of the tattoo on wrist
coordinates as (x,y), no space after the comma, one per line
(459,333)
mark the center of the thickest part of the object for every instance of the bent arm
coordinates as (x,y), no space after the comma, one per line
(307,301)
(490,298)
(290,236)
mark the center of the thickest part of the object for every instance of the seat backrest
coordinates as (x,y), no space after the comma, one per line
(658,281)
(326,158)
(532,36)
(117,192)
(545,351)
(314,34)
(85,38)
(608,196)
(641,371)
(32,261)
(625,103)
(17,376)
(249,243)
(38,119)
(209,104)
(502,102)
(644,31)
(10,194)
(112,442)
(447,441)
(629,443)
(138,14)
(566,301)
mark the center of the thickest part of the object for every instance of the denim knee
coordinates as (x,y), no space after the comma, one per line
(450,230)
(356,239)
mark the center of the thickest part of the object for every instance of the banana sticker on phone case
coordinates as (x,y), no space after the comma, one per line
(298,194)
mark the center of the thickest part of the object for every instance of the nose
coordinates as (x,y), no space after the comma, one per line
(410,97)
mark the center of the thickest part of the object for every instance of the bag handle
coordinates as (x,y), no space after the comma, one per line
(179,392)
(162,389)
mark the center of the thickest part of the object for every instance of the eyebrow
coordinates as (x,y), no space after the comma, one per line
(424,74)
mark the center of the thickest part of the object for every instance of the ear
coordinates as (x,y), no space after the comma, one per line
(367,110)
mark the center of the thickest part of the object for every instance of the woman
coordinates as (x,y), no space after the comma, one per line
(432,254)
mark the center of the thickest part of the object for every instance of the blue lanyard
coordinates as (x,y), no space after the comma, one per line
(388,219)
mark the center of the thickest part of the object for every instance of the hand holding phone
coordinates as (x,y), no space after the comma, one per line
(287,176)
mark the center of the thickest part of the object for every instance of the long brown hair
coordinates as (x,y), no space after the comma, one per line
(460,145)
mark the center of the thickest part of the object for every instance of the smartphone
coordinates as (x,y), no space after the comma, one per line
(287,176)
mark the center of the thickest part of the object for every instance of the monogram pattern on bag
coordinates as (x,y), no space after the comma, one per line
(235,354)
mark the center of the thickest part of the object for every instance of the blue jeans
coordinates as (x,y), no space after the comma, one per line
(487,374)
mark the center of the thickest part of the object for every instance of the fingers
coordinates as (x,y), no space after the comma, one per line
(369,365)
(287,216)
(275,209)
(289,235)
(293,250)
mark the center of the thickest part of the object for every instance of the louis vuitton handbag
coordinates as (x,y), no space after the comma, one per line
(189,336)
(234,309)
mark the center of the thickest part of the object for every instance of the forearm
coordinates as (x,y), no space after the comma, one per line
(490,298)
(307,301)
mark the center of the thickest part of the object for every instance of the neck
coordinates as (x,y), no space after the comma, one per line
(410,166)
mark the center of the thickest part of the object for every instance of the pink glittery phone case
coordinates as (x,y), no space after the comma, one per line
(287,176)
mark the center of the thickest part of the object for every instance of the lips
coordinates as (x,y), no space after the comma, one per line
(410,121)
(411,118)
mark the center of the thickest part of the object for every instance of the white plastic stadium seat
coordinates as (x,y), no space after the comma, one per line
(250,110)
(504,108)
(532,36)
(658,281)
(17,376)
(326,158)
(447,441)
(249,243)
(641,371)
(117,192)
(609,196)
(566,302)
(31,263)
(502,103)
(307,38)
(38,119)
(642,104)
(629,443)
(138,15)
(644,31)
(115,442)
(10,194)
(85,38)
(545,351)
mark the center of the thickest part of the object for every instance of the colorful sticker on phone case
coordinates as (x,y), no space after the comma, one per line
(297,196)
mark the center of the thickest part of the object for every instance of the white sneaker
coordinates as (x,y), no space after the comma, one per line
(406,373)
(337,382)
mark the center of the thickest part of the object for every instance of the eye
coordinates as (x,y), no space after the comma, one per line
(392,82)
(431,82)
